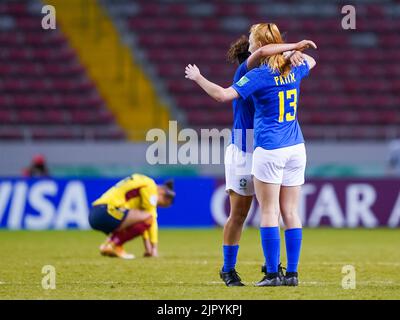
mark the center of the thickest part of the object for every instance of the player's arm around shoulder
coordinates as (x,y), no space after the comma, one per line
(310,61)
(277,48)
(306,44)
(297,57)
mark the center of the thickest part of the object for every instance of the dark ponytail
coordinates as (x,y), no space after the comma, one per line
(239,50)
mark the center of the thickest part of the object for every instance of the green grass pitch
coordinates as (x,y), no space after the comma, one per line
(189,263)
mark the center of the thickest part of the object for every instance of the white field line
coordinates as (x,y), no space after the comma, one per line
(250,262)
(395,264)
(118,283)
(254,262)
(324,283)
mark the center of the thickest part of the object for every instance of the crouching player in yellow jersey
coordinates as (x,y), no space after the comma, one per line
(128,210)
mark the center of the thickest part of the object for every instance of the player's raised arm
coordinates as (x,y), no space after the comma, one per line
(215,91)
(277,48)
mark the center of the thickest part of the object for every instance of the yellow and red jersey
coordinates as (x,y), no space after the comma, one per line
(134,192)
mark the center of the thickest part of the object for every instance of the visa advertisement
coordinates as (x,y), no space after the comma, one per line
(43,204)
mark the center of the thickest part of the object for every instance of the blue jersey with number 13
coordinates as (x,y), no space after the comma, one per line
(276,100)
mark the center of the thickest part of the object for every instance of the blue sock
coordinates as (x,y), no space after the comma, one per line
(270,241)
(293,245)
(230,255)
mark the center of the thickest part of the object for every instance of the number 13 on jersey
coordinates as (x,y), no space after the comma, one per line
(289,96)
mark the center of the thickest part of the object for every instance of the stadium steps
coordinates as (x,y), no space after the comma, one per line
(127,91)
(354,77)
(45,93)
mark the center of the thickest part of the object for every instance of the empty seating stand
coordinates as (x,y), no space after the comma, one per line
(45,93)
(352,94)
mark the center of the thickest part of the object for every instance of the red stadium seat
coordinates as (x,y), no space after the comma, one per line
(6,116)
(354,95)
(43,87)
(90,117)
(63,133)
(11,134)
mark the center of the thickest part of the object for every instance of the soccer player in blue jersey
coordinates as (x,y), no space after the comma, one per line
(238,159)
(279,157)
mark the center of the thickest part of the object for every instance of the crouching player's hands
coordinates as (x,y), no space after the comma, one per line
(152,253)
(150,249)
(192,72)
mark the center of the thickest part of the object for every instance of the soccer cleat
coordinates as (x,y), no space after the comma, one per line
(291,279)
(104,245)
(121,253)
(112,250)
(270,280)
(281,269)
(231,278)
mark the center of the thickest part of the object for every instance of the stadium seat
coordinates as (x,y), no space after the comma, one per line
(45,90)
(183,32)
(11,134)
